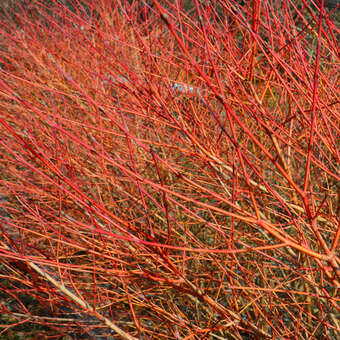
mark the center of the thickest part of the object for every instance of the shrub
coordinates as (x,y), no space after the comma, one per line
(169,169)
